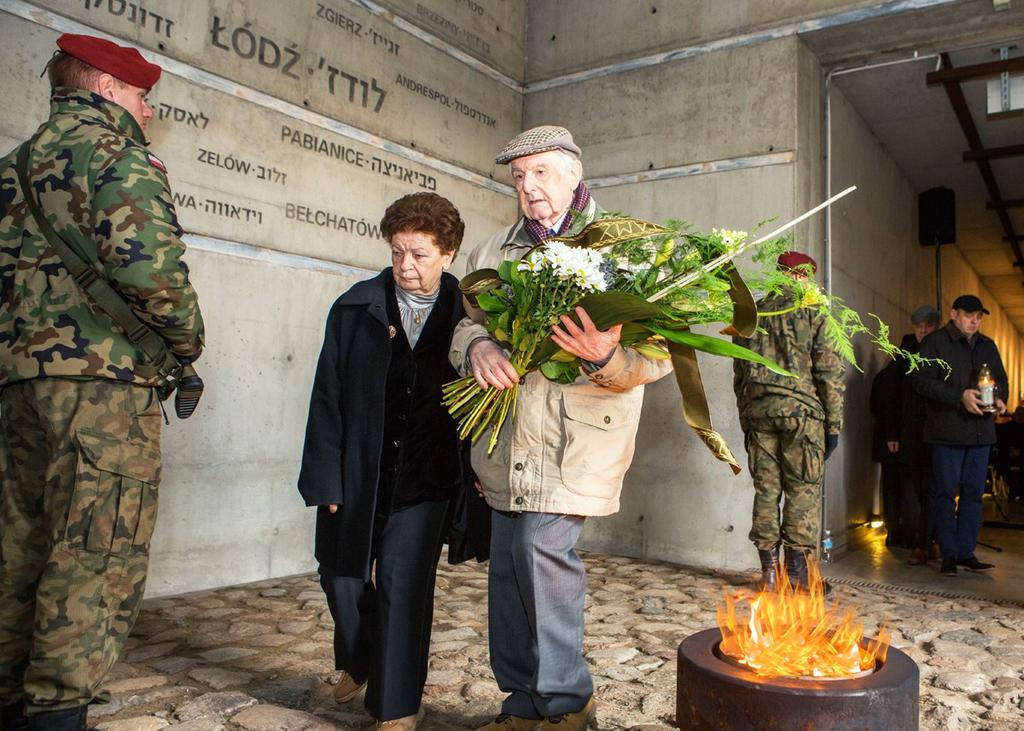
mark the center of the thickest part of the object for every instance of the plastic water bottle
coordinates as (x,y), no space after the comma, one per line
(826,546)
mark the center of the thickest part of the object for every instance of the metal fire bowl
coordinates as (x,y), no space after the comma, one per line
(712,694)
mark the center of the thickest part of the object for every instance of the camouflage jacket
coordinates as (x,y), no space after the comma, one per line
(104,193)
(797,342)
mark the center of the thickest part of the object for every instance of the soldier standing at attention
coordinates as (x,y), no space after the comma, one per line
(79,411)
(791,425)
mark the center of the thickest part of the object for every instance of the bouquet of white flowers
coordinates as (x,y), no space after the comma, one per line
(658,282)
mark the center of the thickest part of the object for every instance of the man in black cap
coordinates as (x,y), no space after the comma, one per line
(959,429)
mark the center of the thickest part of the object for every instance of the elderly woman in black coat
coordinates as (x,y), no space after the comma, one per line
(381,460)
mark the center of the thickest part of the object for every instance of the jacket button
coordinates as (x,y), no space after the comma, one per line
(519,466)
(607,420)
(397,442)
(519,501)
(408,389)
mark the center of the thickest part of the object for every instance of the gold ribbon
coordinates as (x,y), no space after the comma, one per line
(695,403)
(474,283)
(744,310)
(610,231)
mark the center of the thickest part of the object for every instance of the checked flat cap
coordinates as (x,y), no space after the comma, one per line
(539,139)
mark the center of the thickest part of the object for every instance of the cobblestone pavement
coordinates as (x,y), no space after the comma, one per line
(258,657)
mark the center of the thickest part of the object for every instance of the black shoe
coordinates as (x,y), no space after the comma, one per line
(69,719)
(769,568)
(13,718)
(973,564)
(948,567)
(796,567)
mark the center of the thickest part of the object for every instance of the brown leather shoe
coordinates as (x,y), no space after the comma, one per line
(918,557)
(935,553)
(407,723)
(508,722)
(570,721)
(347,688)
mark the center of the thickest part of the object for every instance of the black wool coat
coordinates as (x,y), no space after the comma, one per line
(885,408)
(345,430)
(947,422)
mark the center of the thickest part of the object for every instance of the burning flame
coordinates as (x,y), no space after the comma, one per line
(790,632)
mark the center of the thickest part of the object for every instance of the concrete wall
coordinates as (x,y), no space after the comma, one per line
(878,267)
(557,27)
(287,129)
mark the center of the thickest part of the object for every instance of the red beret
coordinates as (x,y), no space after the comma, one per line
(122,63)
(793,259)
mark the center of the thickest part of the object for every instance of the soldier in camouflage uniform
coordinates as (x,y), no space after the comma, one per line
(79,414)
(791,426)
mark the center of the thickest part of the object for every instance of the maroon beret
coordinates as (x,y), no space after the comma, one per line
(126,64)
(793,259)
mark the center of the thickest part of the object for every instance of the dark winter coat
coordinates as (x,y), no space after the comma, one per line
(345,447)
(946,420)
(912,414)
(885,408)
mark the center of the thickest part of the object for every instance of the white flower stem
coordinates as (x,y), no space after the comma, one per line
(715,263)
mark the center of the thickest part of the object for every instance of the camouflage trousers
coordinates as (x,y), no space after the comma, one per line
(79,469)
(786,457)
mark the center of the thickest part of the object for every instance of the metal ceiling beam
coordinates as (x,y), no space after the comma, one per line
(963,115)
(1009,203)
(986,70)
(993,153)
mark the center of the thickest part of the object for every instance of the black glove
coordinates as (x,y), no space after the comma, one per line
(831,442)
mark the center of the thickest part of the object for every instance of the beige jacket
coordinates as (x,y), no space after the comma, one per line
(568,447)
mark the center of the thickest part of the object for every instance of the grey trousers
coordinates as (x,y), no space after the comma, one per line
(382,627)
(536,589)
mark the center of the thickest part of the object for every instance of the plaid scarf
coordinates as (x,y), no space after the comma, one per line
(538,231)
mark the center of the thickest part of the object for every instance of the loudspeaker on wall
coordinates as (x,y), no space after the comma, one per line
(936,217)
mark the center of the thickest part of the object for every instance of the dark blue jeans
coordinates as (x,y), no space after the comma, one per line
(958,471)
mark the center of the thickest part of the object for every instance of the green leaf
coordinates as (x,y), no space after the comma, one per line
(490,304)
(633,332)
(507,270)
(564,373)
(717,346)
(613,308)
(562,356)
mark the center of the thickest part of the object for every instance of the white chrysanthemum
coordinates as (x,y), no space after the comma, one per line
(581,266)
(730,239)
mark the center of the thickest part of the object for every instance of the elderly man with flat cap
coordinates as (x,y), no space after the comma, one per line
(790,425)
(959,429)
(559,461)
(79,408)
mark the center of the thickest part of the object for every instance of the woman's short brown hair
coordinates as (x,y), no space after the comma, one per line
(66,70)
(427,213)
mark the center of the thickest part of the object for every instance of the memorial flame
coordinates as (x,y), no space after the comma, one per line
(792,633)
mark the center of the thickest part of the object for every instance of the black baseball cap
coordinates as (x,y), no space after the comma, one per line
(969,303)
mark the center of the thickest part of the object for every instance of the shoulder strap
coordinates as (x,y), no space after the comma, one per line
(96,287)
